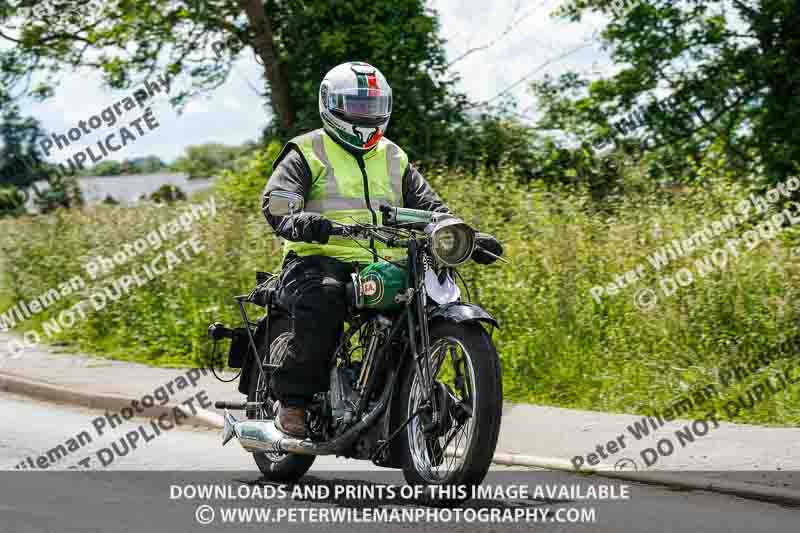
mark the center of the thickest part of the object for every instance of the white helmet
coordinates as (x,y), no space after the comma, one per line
(355,103)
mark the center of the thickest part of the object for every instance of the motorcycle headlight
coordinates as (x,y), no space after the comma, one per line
(452,242)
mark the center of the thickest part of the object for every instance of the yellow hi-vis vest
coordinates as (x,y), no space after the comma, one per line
(339,193)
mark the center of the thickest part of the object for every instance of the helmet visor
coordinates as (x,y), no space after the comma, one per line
(361,103)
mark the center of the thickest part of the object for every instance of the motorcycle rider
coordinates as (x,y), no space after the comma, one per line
(344,171)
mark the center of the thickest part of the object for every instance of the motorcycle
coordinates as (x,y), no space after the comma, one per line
(415,379)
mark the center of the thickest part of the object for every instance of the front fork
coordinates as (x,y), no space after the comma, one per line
(419,339)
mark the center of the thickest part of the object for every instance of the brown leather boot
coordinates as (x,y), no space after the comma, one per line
(291,421)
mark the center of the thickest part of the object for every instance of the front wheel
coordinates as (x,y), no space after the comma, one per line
(459,450)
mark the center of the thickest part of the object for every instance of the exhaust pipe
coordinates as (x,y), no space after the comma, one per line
(263,436)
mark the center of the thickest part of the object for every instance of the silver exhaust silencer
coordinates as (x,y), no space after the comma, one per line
(263,436)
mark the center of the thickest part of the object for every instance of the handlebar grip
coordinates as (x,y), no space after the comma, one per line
(218,332)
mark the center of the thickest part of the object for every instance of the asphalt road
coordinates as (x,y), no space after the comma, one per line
(154,488)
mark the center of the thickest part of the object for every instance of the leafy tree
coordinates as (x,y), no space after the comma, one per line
(297,42)
(104,168)
(144,165)
(168,194)
(208,160)
(61,193)
(709,83)
(492,141)
(12,201)
(127,41)
(20,163)
(242,186)
(400,38)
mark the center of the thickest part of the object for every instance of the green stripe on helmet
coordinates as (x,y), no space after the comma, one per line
(363,84)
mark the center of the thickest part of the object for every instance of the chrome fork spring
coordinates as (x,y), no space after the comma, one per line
(376,332)
(368,356)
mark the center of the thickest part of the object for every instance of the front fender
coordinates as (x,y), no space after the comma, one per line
(462,312)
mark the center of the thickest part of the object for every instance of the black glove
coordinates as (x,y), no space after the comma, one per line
(484,241)
(310,228)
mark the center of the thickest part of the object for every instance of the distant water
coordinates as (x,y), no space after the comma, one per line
(128,189)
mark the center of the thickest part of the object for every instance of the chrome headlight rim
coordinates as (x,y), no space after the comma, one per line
(451,223)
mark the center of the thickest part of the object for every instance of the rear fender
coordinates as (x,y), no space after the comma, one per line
(278,323)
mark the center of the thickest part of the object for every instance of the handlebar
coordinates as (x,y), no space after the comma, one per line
(367,231)
(338,231)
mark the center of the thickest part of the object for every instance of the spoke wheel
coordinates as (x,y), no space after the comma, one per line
(282,467)
(437,455)
(267,410)
(455,448)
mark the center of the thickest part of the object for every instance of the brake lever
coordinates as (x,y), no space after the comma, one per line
(490,254)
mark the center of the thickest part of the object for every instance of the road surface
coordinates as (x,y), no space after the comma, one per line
(155,487)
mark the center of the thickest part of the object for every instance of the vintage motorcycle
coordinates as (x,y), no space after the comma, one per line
(415,380)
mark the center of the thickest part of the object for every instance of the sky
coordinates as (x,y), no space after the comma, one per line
(526,41)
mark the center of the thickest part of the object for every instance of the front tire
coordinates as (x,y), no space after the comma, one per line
(473,357)
(286,467)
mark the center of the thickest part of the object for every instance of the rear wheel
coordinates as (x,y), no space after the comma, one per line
(281,467)
(466,368)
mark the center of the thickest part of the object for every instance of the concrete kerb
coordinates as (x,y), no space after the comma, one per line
(209,419)
(655,477)
(54,393)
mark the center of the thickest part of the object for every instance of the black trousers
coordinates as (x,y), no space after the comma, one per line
(312,289)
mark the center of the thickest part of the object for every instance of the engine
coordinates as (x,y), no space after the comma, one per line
(343,398)
(349,380)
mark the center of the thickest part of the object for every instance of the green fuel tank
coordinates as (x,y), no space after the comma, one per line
(378,286)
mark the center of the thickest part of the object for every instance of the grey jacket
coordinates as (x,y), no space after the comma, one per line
(291,173)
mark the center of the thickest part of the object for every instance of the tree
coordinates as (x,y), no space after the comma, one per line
(21,166)
(210,159)
(297,43)
(276,68)
(20,163)
(701,79)
(145,165)
(105,168)
(168,194)
(400,38)
(61,193)
(12,201)
(126,41)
